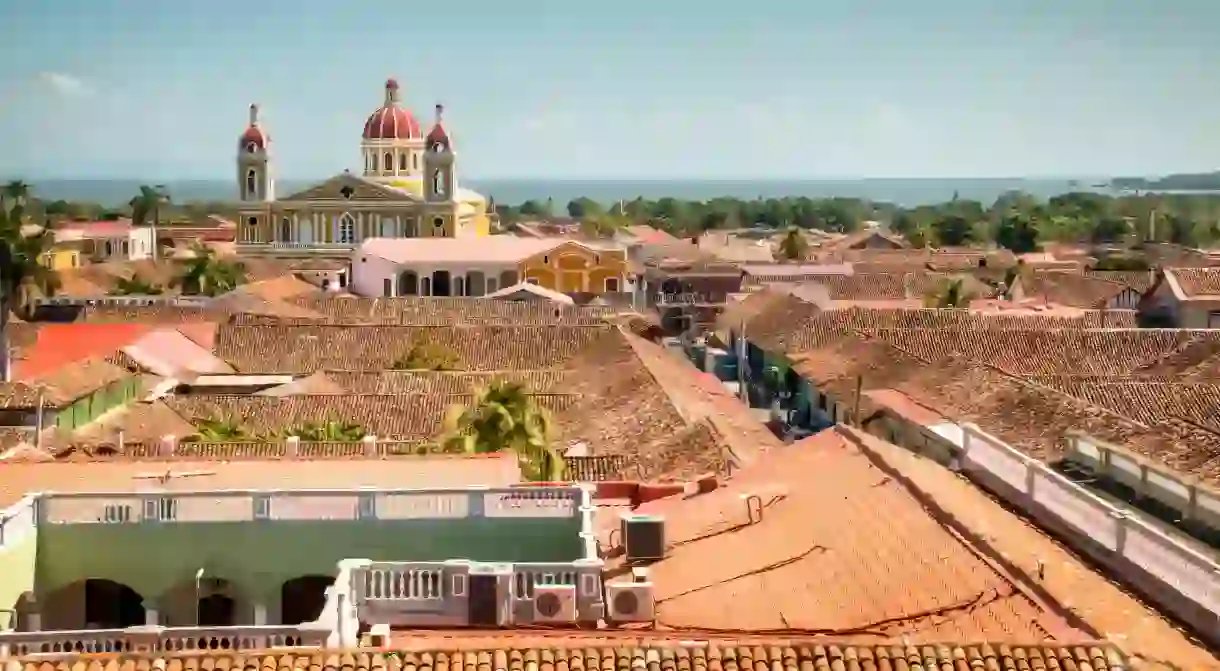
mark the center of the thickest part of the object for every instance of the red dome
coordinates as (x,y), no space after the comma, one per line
(253,136)
(391,122)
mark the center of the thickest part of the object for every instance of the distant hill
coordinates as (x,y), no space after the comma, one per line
(1206,181)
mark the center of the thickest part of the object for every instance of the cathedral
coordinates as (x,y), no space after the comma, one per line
(408,188)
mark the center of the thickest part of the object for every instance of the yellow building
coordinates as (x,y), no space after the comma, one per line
(408,189)
(455,267)
(572,266)
(61,258)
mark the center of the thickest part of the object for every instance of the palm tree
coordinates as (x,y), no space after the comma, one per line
(24,246)
(329,431)
(205,274)
(134,286)
(146,209)
(502,416)
(953,294)
(793,246)
(427,356)
(219,430)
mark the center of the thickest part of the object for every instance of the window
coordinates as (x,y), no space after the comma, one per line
(387,287)
(252,222)
(347,192)
(438,222)
(389,162)
(438,183)
(251,183)
(611,285)
(347,228)
(251,148)
(285,229)
(402,162)
(415,161)
(374,162)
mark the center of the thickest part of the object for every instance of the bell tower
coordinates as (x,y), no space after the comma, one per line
(440,179)
(254,181)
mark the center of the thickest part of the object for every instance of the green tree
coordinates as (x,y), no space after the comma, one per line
(1017,232)
(25,245)
(205,274)
(502,416)
(146,209)
(602,226)
(952,230)
(135,286)
(579,208)
(427,356)
(329,431)
(1110,230)
(534,208)
(219,429)
(794,246)
(952,294)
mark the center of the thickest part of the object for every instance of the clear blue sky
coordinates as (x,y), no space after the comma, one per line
(158,89)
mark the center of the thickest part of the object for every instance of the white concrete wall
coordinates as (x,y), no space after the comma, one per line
(369,274)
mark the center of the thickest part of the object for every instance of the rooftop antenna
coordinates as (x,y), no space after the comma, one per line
(169,474)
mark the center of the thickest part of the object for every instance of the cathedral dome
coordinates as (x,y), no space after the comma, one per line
(391,122)
(254,139)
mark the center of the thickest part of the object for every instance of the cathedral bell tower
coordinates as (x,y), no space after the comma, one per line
(254,181)
(440,180)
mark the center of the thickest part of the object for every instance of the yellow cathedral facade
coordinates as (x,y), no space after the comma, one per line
(408,188)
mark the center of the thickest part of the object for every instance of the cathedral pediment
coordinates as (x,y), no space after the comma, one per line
(346,186)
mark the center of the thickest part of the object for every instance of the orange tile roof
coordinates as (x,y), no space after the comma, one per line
(62,344)
(512,651)
(797,569)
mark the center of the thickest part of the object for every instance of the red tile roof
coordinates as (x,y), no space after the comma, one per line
(61,344)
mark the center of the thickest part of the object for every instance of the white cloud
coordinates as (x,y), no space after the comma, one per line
(64,84)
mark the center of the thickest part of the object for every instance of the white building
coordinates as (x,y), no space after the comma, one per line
(102,241)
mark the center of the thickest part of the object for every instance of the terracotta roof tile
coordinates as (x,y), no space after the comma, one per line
(61,344)
(1072,289)
(1062,351)
(390,416)
(1140,280)
(1148,402)
(526,651)
(70,382)
(828,325)
(793,568)
(306,349)
(124,475)
(1197,282)
(19,395)
(432,311)
(443,382)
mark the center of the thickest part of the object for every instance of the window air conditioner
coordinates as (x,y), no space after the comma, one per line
(555,603)
(630,602)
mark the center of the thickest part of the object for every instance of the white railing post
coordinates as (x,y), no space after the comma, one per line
(1120,530)
(292,446)
(370,446)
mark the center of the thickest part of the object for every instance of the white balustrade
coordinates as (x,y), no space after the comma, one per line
(1181,570)
(160,639)
(243,505)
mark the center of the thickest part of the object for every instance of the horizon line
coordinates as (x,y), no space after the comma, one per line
(616,179)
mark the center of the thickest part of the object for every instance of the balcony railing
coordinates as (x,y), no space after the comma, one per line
(333,246)
(324,504)
(160,639)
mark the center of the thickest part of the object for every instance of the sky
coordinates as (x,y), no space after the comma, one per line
(630,89)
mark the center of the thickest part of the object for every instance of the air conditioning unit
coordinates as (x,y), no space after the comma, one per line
(555,603)
(630,602)
(643,538)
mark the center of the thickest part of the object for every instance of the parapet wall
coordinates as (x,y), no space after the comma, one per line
(1179,579)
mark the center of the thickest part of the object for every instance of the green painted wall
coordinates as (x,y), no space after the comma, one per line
(16,574)
(257,557)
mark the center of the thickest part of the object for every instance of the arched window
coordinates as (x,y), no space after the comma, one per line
(414,161)
(389,162)
(251,148)
(373,168)
(402,162)
(347,228)
(438,147)
(285,229)
(251,183)
(438,183)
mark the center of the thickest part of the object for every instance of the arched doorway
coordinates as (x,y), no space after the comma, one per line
(217,610)
(440,283)
(408,284)
(302,598)
(98,603)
